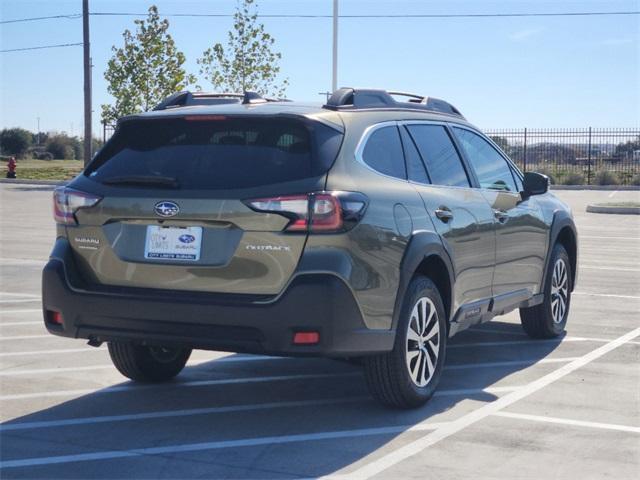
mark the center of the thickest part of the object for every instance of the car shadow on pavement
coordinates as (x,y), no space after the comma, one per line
(287,418)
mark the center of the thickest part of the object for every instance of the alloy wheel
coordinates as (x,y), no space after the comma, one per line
(423,342)
(559,291)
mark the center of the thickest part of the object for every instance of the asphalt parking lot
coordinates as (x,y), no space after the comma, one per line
(507,407)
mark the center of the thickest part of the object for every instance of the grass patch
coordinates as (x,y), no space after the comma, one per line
(47,169)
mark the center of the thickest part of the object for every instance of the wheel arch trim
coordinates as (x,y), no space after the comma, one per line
(422,246)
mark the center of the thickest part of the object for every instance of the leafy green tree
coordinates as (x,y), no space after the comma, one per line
(148,68)
(15,141)
(64,147)
(248,62)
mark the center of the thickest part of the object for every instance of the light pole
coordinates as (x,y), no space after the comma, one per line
(334,80)
(87,81)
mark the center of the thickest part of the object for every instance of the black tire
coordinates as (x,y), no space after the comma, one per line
(148,364)
(388,376)
(543,320)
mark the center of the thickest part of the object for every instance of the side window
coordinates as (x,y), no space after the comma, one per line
(383,152)
(443,163)
(415,167)
(491,168)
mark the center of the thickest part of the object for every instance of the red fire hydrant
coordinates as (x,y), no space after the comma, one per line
(11,168)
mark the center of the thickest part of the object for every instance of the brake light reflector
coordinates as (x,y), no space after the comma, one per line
(66,202)
(54,317)
(306,338)
(320,212)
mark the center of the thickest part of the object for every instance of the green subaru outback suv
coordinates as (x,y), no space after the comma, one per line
(374,227)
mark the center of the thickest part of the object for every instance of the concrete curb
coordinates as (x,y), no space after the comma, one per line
(595,187)
(614,210)
(26,181)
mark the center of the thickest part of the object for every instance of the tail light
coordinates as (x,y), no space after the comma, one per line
(320,212)
(66,202)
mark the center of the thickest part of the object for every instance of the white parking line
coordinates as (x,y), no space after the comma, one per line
(22,300)
(130,387)
(14,294)
(605,295)
(23,310)
(207,446)
(415,447)
(224,409)
(51,352)
(527,342)
(177,413)
(512,363)
(612,194)
(616,269)
(567,421)
(26,337)
(232,359)
(609,238)
(17,324)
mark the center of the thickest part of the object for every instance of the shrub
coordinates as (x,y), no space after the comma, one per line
(574,178)
(63,147)
(635,180)
(15,141)
(605,177)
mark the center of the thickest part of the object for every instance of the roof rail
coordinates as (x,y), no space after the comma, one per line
(367,98)
(186,98)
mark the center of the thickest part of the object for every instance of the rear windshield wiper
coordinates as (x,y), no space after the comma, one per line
(155,181)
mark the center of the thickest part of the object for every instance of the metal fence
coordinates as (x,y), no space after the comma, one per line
(575,155)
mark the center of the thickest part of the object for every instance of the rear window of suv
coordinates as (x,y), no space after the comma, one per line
(203,152)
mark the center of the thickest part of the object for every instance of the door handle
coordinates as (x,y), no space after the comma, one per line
(444,214)
(500,215)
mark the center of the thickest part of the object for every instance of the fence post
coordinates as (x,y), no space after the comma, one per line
(524,161)
(589,160)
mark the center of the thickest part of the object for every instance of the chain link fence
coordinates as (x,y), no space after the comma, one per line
(575,156)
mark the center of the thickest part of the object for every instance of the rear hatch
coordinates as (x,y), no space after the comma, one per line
(174,208)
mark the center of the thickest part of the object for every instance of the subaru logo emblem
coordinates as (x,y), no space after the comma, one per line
(166,209)
(186,238)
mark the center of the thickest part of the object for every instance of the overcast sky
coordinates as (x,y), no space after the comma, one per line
(500,72)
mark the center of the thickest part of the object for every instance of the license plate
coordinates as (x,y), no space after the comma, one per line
(173,243)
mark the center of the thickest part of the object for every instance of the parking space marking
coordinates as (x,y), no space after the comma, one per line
(527,342)
(22,310)
(608,238)
(14,294)
(232,359)
(26,337)
(177,413)
(217,445)
(131,387)
(21,300)
(415,447)
(51,352)
(16,324)
(605,295)
(617,269)
(567,421)
(214,410)
(612,194)
(510,363)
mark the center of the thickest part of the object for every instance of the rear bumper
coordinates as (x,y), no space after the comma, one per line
(312,302)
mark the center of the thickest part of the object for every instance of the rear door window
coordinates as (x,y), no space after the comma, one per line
(220,153)
(383,152)
(441,158)
(491,168)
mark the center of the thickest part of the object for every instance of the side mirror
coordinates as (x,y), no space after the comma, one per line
(535,184)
